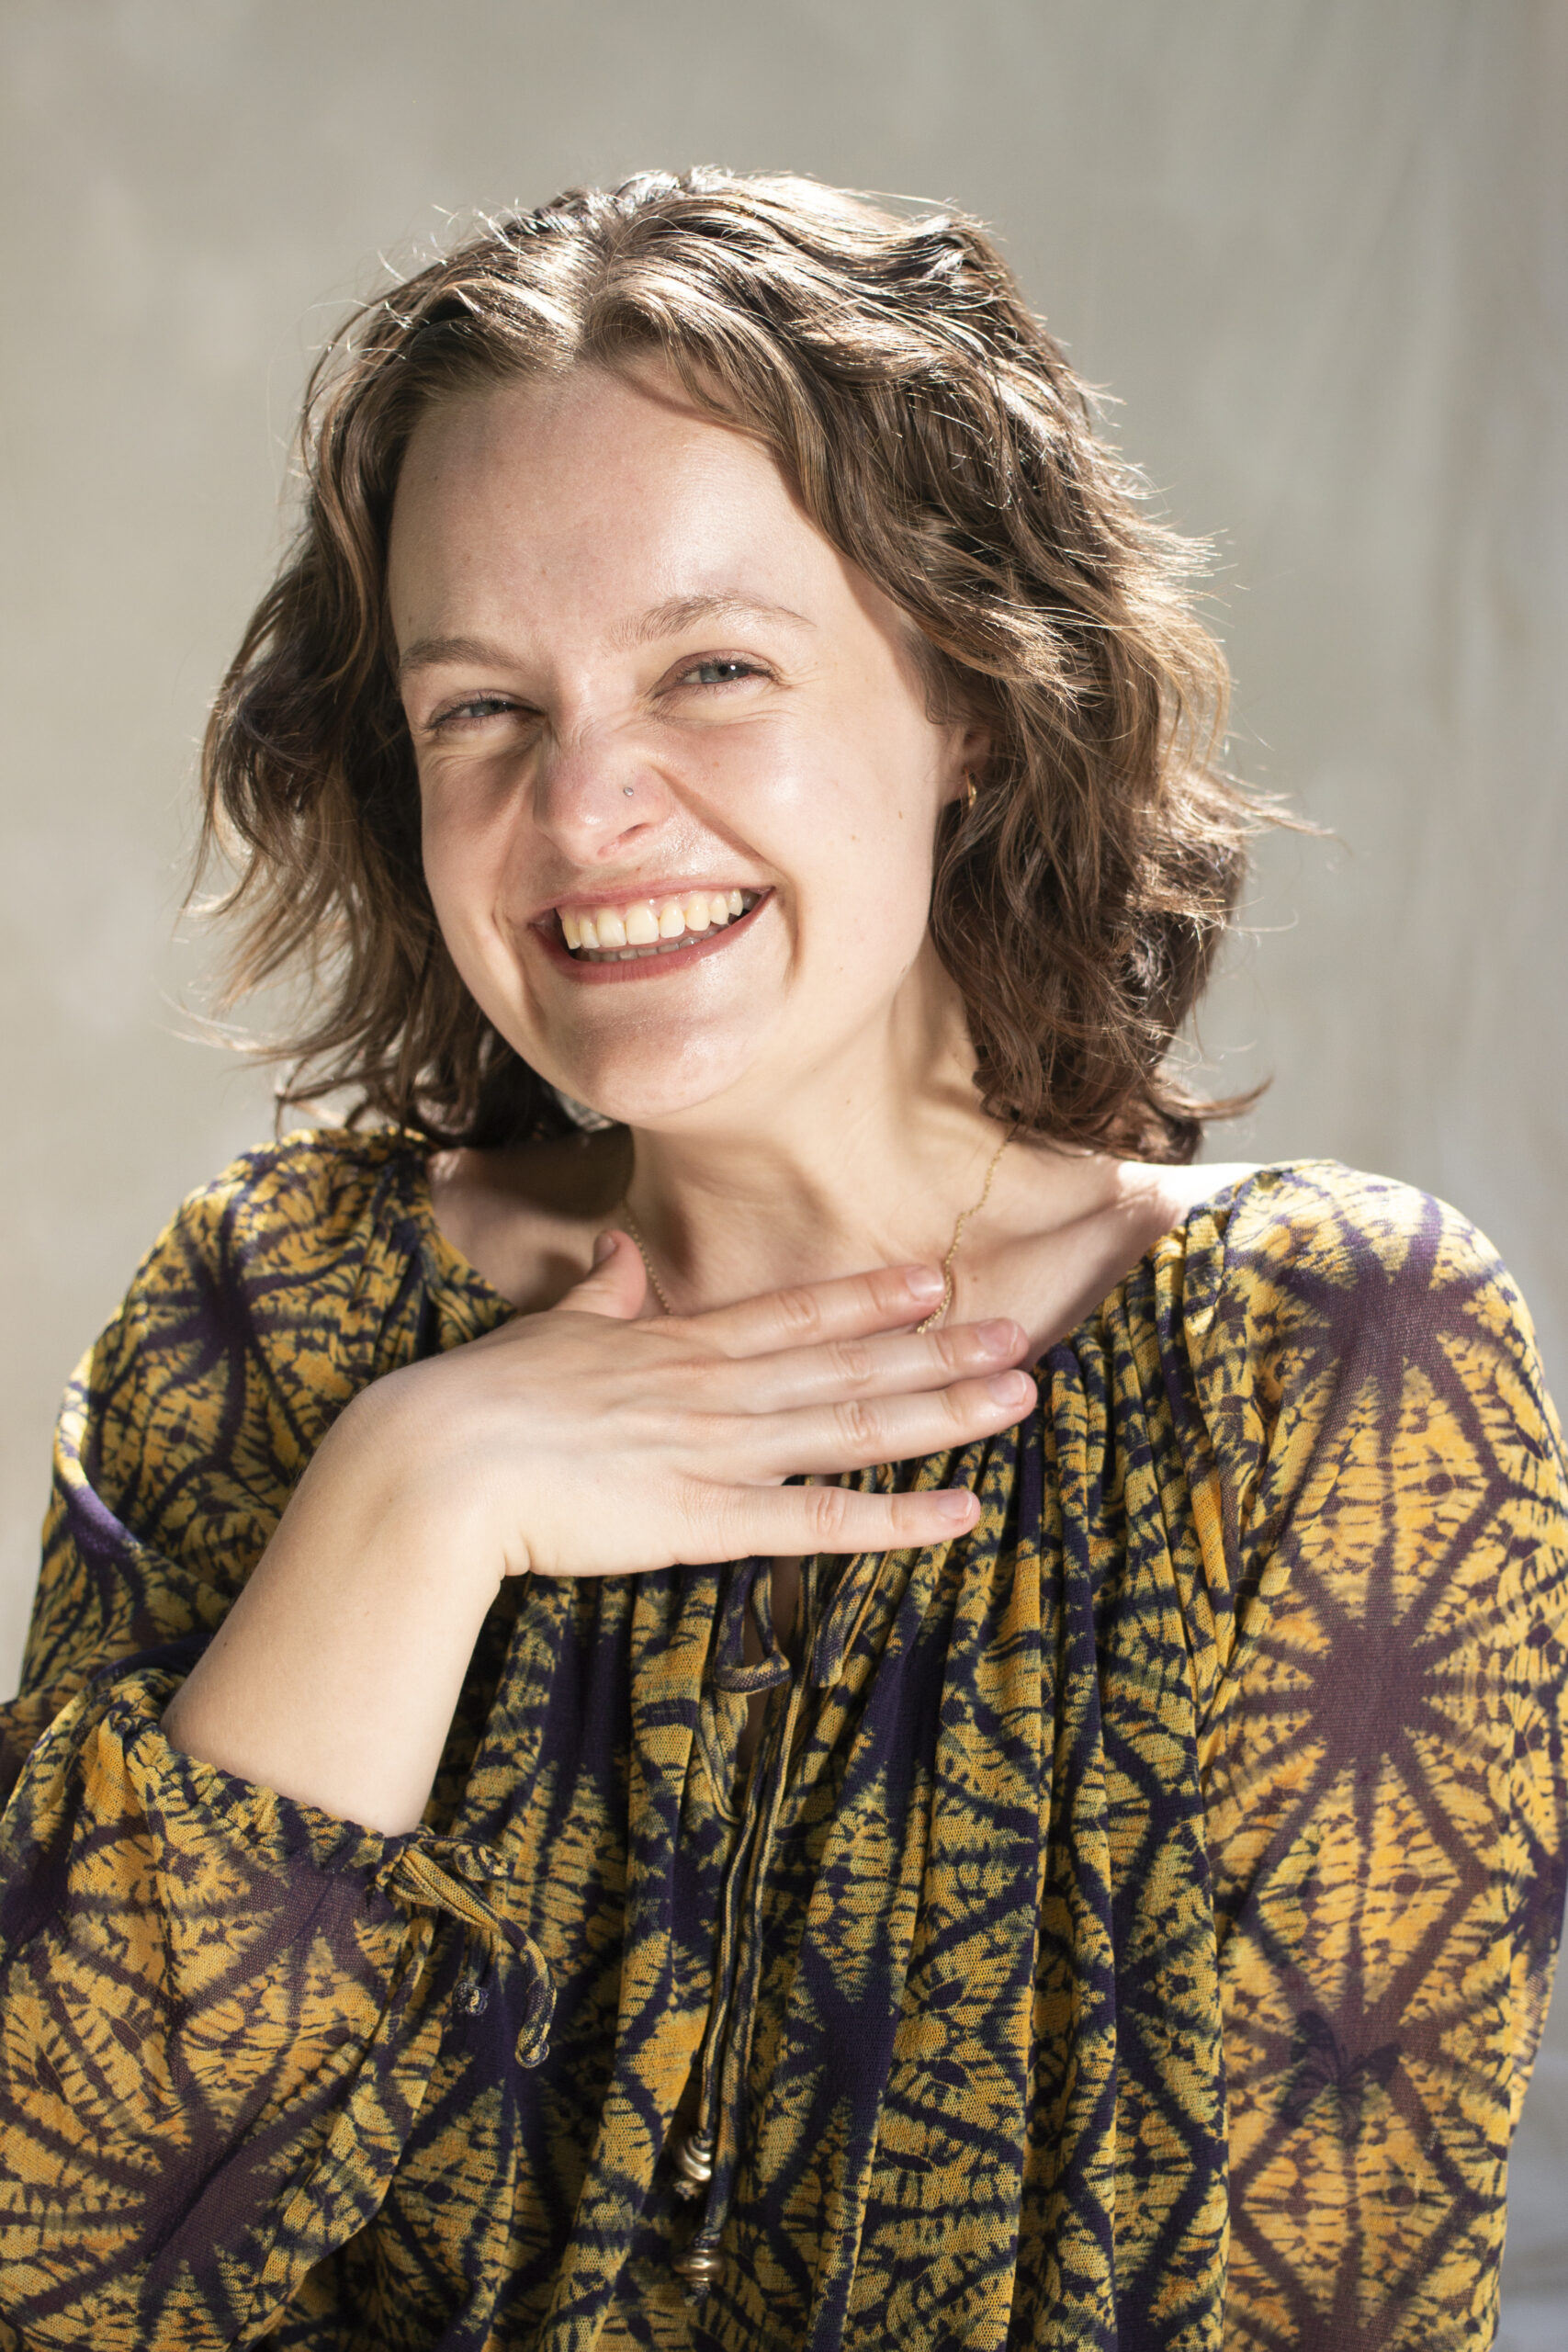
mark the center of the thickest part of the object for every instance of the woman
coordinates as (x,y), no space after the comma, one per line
(759,1675)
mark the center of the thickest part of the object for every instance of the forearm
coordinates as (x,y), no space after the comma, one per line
(335,1678)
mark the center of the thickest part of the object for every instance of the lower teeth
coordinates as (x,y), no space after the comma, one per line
(630,955)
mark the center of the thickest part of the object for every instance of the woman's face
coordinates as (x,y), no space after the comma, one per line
(644,692)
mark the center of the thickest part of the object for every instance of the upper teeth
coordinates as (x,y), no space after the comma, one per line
(648,922)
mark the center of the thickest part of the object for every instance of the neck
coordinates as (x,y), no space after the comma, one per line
(857,1167)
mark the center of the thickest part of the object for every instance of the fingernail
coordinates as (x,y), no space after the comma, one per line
(998,1338)
(603,1247)
(924,1281)
(951,1504)
(1008,1387)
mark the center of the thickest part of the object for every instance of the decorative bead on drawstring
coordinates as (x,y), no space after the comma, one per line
(699,2265)
(691,2155)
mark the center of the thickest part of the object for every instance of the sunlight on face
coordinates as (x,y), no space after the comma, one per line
(644,690)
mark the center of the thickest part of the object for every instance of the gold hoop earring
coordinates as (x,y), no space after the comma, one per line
(972,790)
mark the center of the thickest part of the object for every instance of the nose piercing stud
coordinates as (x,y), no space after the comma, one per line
(629,789)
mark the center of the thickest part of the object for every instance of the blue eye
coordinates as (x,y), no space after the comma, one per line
(722,672)
(474,712)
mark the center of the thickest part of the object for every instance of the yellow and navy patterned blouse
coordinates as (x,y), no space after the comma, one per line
(1133,1933)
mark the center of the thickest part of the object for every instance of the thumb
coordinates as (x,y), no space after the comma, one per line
(617,1285)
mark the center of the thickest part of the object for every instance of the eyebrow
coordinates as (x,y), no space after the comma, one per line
(668,620)
(431,652)
(678,613)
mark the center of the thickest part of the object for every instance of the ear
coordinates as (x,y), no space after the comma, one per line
(971,752)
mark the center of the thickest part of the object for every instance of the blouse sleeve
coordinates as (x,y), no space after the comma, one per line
(217,2008)
(1387,1798)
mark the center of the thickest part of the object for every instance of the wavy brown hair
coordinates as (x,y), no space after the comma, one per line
(935,432)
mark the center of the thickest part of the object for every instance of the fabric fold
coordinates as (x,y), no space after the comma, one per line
(419,1879)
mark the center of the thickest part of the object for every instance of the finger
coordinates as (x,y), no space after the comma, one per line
(877,1365)
(860,1430)
(791,1519)
(617,1284)
(882,1299)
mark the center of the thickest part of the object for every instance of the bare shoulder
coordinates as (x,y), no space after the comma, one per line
(1167,1196)
(1073,1227)
(526,1215)
(1122,1204)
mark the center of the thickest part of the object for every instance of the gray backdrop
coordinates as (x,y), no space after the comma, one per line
(1313,245)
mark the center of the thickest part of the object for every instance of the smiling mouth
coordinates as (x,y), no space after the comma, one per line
(643,928)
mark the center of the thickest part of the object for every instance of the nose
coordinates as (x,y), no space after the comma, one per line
(591,792)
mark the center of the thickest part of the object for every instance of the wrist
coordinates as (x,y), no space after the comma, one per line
(388,1486)
(334,1677)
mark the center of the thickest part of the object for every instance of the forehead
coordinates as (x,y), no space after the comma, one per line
(593,483)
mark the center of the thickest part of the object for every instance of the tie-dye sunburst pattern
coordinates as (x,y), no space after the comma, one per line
(1134,1933)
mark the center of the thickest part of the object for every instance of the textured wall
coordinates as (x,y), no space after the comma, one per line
(1314,247)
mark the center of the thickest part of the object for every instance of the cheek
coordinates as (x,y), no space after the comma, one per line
(460,879)
(864,905)
(462,857)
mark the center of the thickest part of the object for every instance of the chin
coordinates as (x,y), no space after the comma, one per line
(651,1087)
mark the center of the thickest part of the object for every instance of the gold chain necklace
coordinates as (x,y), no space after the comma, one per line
(937,1314)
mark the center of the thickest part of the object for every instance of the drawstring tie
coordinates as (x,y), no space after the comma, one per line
(707,2158)
(418,1880)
